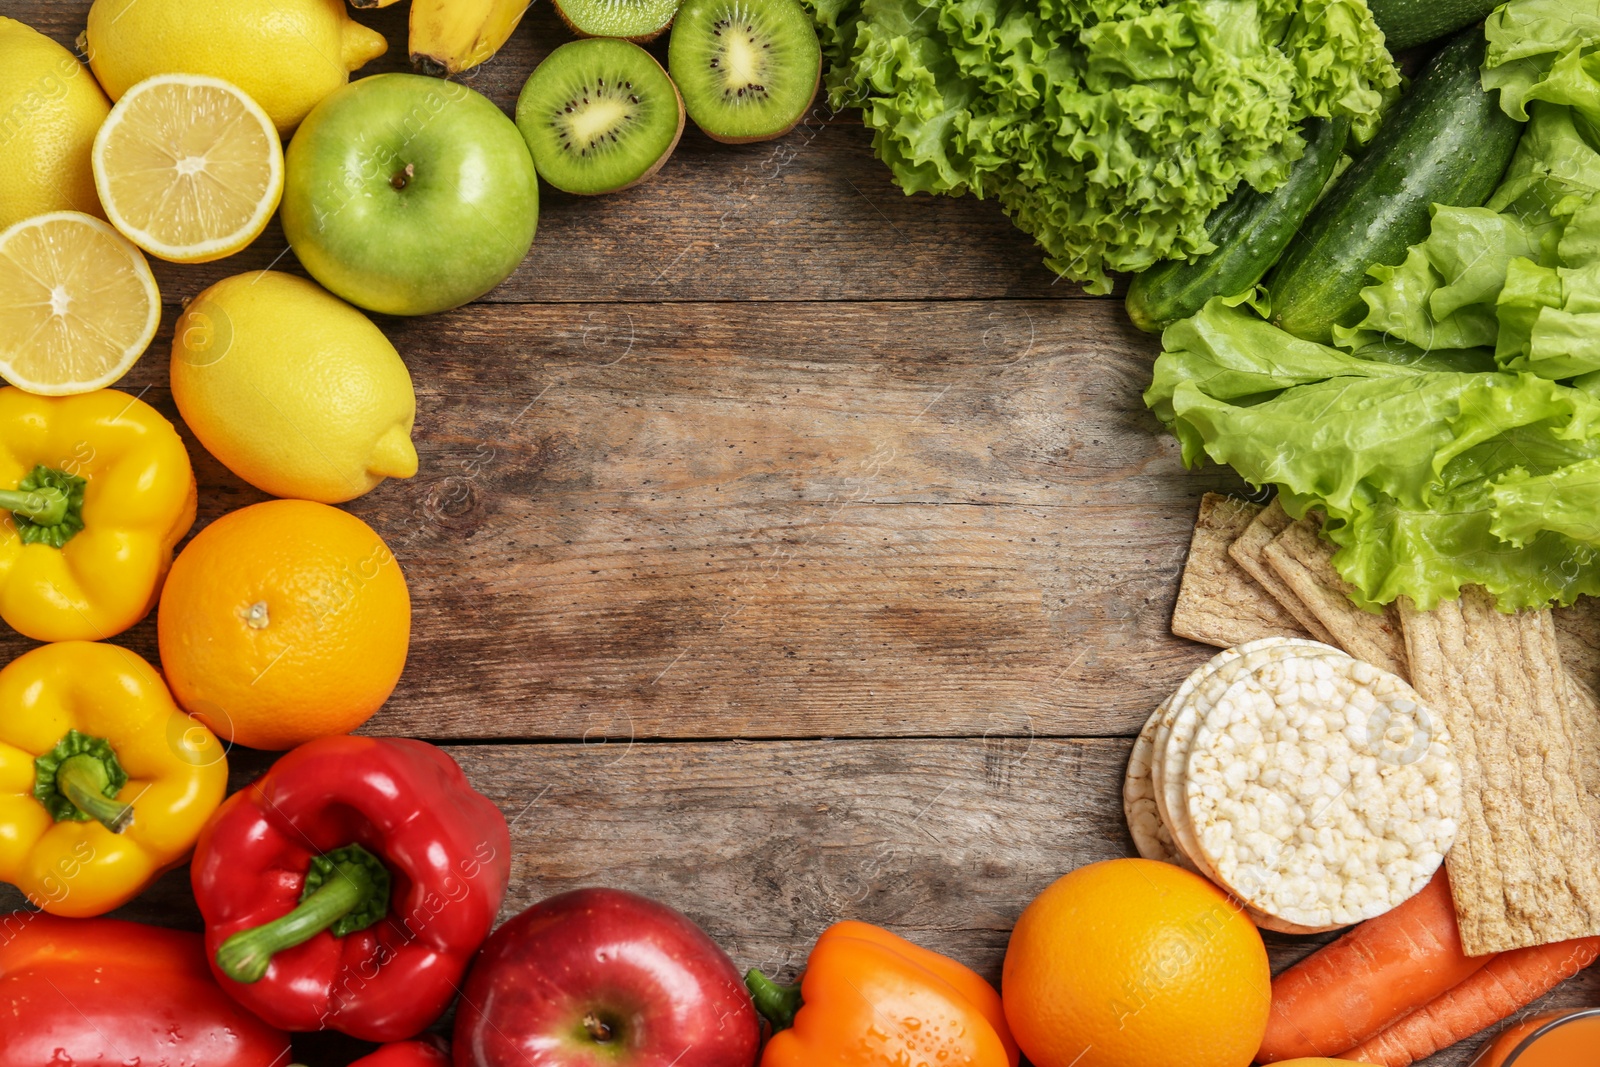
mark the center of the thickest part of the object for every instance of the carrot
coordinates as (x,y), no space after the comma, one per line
(1510,982)
(1371,977)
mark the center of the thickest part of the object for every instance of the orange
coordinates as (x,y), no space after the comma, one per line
(283,622)
(1134,963)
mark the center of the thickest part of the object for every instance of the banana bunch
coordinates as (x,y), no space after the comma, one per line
(450,36)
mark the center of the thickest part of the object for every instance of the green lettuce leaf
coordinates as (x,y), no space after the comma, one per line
(1430,472)
(1525,39)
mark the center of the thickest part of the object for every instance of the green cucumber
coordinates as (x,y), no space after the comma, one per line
(1250,231)
(1445,142)
(1412,22)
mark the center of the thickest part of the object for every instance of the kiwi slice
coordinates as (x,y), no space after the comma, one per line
(748,69)
(599,115)
(632,20)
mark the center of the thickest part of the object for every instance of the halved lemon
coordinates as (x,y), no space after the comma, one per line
(78,304)
(188,167)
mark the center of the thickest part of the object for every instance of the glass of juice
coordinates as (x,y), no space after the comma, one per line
(1569,1038)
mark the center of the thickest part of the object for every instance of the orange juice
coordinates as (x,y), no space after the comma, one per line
(1556,1039)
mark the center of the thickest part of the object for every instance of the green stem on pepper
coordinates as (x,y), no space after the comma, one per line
(79,779)
(345,891)
(47,506)
(83,780)
(778,1004)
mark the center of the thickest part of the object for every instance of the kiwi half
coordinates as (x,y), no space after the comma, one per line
(599,115)
(748,69)
(632,20)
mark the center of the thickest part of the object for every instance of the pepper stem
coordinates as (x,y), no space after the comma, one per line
(79,779)
(345,891)
(42,507)
(778,1004)
(47,506)
(83,780)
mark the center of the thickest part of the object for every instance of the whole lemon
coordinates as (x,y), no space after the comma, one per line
(294,390)
(285,54)
(50,110)
(1134,963)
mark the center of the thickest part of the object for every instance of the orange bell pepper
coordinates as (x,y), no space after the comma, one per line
(871,999)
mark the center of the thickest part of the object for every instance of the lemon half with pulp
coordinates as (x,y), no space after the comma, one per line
(78,304)
(188,167)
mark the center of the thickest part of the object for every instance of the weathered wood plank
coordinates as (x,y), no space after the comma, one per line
(766,844)
(813,216)
(777,520)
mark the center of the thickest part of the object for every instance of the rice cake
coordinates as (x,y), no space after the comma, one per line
(1189,704)
(1218,603)
(1151,838)
(1320,790)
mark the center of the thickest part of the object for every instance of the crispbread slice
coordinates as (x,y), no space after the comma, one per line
(1218,603)
(1578,635)
(1586,725)
(1525,869)
(1247,550)
(1304,562)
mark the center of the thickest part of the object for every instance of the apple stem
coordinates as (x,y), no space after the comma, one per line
(598,1028)
(403,177)
(778,1004)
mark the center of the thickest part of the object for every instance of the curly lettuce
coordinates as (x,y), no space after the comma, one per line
(1109,130)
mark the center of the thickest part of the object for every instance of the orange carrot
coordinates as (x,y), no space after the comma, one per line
(1510,982)
(1376,974)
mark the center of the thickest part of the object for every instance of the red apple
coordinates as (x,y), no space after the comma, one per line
(604,978)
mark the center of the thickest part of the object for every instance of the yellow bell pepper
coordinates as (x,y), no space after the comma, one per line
(95,491)
(104,782)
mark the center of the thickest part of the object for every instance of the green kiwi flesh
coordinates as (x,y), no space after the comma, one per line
(748,69)
(599,115)
(632,20)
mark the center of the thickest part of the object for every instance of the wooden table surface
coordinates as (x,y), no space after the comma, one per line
(784,547)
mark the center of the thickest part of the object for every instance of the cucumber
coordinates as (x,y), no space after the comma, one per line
(1412,22)
(1250,231)
(1445,142)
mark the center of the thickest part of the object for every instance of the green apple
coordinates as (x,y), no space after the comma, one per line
(408,195)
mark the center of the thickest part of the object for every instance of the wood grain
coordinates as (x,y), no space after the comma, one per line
(790,520)
(767,843)
(766,448)
(813,216)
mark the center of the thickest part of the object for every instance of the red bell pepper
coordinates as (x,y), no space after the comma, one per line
(350,885)
(406,1054)
(105,991)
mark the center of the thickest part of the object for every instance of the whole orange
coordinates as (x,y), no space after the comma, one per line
(1134,963)
(282,622)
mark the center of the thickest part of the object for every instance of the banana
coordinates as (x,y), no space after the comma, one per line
(368,5)
(450,36)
